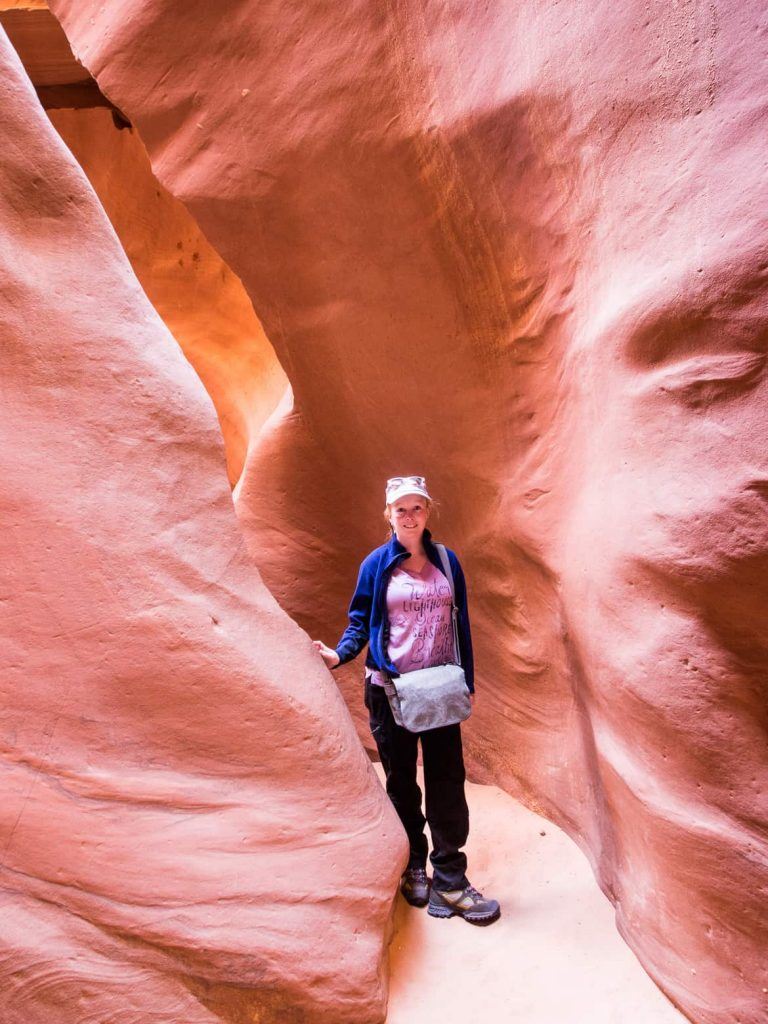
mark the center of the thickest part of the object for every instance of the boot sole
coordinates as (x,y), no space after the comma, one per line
(446,912)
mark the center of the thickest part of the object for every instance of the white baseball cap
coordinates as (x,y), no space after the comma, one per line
(397,486)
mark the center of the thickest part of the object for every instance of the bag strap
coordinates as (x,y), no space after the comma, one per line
(447,569)
(454,610)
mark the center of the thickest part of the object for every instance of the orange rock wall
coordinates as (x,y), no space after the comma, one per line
(518,248)
(185,806)
(194,291)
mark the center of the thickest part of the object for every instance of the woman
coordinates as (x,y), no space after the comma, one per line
(401,608)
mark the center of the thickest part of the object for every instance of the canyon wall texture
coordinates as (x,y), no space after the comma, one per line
(185,804)
(199,298)
(520,248)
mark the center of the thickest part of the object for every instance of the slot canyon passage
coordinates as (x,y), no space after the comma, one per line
(518,247)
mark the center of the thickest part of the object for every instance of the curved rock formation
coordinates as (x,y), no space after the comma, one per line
(186,808)
(519,248)
(194,291)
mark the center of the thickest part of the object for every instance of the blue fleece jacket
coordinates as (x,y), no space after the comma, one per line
(368,622)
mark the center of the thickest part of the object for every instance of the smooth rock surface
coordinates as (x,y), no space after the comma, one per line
(59,79)
(23,5)
(189,828)
(519,248)
(194,291)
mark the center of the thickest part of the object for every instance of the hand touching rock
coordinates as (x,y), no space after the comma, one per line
(329,656)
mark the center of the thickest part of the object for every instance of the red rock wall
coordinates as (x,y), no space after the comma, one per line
(518,248)
(189,828)
(197,295)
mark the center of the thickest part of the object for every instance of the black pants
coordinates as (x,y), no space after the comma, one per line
(446,805)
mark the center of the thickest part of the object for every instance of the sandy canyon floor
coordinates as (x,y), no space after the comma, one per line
(554,957)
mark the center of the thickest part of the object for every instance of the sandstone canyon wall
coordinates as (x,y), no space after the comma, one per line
(520,248)
(186,807)
(194,291)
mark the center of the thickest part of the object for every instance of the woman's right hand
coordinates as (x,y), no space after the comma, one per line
(329,656)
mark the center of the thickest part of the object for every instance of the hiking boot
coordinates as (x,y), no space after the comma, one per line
(467,903)
(414,885)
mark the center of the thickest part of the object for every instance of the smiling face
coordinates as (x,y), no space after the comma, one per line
(408,516)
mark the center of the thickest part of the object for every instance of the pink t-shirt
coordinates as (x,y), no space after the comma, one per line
(419,612)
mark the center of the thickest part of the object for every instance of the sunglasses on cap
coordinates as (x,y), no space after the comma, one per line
(396,481)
